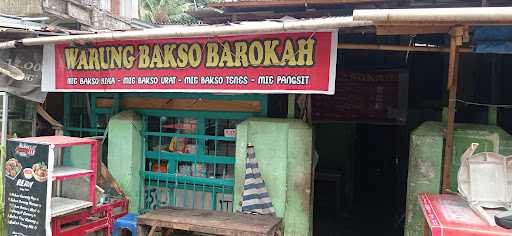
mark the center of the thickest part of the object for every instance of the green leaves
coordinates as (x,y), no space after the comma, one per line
(170,11)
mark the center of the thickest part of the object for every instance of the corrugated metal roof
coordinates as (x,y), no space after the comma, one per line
(16,24)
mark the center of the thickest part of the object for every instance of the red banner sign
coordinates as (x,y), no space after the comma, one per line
(302,62)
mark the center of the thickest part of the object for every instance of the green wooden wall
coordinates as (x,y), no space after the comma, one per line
(125,155)
(425,161)
(284,152)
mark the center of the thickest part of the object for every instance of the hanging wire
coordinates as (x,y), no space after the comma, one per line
(481,104)
(411,39)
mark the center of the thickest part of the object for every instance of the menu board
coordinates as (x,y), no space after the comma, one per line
(378,97)
(26,188)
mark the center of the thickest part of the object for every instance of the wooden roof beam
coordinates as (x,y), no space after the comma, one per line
(399,48)
(412,29)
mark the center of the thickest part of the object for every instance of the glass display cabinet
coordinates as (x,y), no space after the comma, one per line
(189,159)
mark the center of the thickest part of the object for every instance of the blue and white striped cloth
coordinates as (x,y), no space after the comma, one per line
(255,198)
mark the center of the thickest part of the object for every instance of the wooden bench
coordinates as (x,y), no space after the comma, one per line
(207,222)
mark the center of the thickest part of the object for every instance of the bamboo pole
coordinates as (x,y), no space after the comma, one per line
(462,15)
(318,24)
(404,48)
(453,65)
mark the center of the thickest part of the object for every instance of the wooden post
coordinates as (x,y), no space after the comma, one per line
(453,66)
(140,230)
(426,229)
(291,106)
(152,230)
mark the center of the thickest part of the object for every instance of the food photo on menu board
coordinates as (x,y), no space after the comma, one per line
(26,188)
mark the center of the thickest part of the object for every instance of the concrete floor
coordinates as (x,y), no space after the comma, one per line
(367,222)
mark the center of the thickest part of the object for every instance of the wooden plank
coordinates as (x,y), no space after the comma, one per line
(412,29)
(183,104)
(140,230)
(426,229)
(58,127)
(453,67)
(209,230)
(42,112)
(211,222)
(402,48)
(106,180)
(152,231)
(167,232)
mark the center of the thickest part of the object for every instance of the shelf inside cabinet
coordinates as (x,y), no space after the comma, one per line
(67,172)
(61,206)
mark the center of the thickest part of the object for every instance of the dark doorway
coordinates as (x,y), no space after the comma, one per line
(360,181)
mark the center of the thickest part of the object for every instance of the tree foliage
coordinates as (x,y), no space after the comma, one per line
(171,11)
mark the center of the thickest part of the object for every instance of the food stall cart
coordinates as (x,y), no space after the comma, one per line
(35,202)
